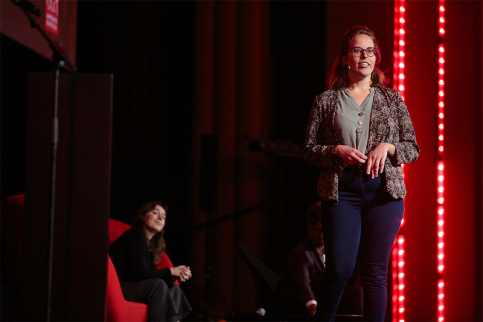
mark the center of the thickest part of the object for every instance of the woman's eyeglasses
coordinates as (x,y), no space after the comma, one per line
(369,51)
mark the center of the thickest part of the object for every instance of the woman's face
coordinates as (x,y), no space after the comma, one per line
(360,67)
(155,220)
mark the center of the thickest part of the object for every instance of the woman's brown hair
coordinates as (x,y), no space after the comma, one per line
(338,74)
(157,244)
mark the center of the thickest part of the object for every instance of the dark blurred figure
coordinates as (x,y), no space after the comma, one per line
(299,289)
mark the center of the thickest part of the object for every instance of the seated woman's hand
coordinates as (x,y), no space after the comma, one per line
(182,272)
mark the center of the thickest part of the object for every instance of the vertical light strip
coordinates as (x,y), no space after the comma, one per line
(398,263)
(440,164)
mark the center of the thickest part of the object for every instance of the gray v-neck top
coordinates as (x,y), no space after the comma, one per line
(352,120)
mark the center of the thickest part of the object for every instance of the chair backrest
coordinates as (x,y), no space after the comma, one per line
(116,229)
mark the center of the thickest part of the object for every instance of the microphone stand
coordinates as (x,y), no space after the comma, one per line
(59,59)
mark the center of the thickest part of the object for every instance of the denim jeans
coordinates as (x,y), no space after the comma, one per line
(365,221)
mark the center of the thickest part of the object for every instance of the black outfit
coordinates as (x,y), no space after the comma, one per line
(142,282)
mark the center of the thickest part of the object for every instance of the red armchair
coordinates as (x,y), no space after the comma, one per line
(117,308)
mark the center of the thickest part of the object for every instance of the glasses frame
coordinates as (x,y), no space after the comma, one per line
(351,50)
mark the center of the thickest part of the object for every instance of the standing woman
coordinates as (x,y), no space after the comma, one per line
(359,134)
(135,256)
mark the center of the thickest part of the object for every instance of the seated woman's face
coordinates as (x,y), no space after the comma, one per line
(155,219)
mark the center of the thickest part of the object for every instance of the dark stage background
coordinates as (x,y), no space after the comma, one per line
(200,87)
(149,47)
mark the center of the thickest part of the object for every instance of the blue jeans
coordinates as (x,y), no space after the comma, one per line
(366,220)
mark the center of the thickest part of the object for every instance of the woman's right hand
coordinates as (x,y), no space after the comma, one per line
(182,272)
(350,155)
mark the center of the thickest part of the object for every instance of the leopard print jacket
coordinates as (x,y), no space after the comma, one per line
(390,123)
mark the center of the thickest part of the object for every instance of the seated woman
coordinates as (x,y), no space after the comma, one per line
(135,255)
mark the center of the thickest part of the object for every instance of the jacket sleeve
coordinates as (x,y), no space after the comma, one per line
(407,149)
(298,269)
(319,150)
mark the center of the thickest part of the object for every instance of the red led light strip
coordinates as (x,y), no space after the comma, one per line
(440,164)
(398,276)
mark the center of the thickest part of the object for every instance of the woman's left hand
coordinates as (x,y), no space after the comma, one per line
(182,272)
(377,157)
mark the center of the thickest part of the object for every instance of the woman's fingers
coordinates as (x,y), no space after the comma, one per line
(350,155)
(184,273)
(376,160)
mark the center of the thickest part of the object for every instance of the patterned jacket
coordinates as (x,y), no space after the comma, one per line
(390,123)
